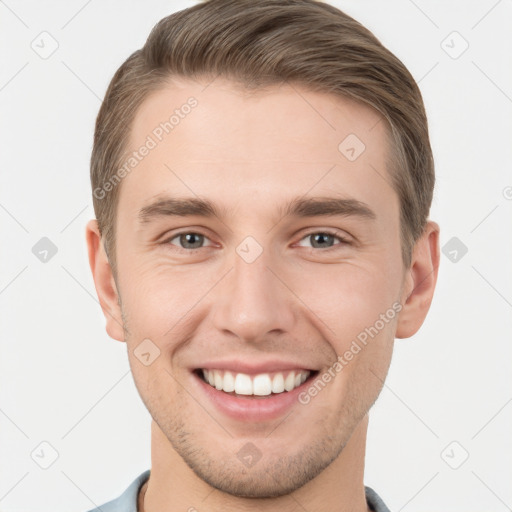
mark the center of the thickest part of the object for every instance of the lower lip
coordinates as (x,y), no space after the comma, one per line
(249,408)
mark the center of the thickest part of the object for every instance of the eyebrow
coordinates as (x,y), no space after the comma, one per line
(297,207)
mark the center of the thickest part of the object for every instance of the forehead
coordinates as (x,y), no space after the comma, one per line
(220,140)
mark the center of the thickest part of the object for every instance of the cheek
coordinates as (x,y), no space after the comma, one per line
(165,305)
(357,307)
(157,295)
(350,296)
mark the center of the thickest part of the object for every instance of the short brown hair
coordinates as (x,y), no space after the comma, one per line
(264,43)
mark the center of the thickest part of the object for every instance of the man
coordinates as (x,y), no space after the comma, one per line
(290,149)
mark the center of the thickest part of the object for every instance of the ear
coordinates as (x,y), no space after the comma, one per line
(420,282)
(104,282)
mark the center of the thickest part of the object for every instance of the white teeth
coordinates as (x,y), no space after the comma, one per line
(217,377)
(259,385)
(262,385)
(243,384)
(229,382)
(278,383)
(289,382)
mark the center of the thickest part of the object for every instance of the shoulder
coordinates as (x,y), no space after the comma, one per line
(126,502)
(374,501)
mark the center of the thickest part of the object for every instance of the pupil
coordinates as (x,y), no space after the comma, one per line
(189,239)
(321,238)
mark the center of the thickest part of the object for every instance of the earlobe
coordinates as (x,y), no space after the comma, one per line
(104,282)
(420,282)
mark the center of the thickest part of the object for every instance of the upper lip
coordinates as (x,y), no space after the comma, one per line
(253,368)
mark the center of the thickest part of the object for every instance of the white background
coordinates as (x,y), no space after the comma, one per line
(64,381)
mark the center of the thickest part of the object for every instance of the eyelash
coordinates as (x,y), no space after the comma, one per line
(335,234)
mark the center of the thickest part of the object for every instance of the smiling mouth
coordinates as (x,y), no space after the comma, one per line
(255,386)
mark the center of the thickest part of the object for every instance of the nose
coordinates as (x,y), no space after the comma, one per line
(253,301)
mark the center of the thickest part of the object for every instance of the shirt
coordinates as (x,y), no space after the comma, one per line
(127,502)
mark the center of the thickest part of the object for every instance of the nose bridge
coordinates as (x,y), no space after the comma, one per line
(252,301)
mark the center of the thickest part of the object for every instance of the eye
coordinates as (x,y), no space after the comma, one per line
(188,240)
(325,239)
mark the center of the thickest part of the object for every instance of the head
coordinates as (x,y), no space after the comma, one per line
(290,148)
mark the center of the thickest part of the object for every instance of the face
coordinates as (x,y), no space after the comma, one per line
(288,254)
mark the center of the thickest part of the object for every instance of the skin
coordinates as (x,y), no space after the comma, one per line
(301,299)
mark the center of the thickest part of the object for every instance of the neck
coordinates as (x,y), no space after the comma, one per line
(174,487)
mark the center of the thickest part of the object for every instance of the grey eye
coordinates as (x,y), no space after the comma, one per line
(189,240)
(319,240)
